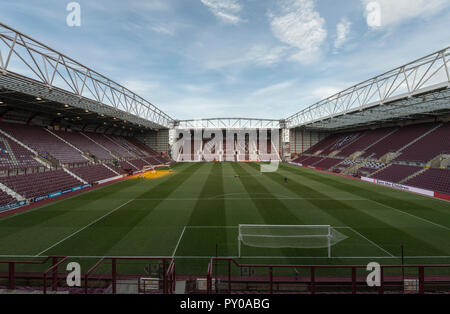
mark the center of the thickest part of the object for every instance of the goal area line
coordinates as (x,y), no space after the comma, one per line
(378,247)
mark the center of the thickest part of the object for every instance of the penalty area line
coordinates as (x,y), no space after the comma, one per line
(85,227)
(371,242)
(178,243)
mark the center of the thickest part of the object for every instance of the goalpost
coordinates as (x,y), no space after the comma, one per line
(289,236)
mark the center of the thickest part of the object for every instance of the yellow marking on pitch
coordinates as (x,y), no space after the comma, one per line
(156,174)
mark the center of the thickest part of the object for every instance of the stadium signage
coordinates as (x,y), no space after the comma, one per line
(399,186)
(59,193)
(12,206)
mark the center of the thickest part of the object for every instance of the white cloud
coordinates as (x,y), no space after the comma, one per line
(141,87)
(300,26)
(275,88)
(398,11)
(163,29)
(343,30)
(325,92)
(225,10)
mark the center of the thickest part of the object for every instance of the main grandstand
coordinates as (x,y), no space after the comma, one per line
(93,173)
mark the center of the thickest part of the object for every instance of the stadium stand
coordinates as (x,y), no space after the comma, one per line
(432,179)
(398,140)
(93,173)
(428,147)
(85,144)
(328,163)
(364,141)
(40,183)
(42,141)
(15,156)
(6,199)
(312,160)
(413,147)
(128,145)
(396,173)
(110,145)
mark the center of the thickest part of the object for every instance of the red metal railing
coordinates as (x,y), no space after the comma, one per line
(54,270)
(314,281)
(114,274)
(12,274)
(170,278)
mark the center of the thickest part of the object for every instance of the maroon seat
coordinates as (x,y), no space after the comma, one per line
(41,183)
(396,173)
(93,173)
(43,142)
(437,180)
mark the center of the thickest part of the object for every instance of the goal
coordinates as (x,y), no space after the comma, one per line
(289,236)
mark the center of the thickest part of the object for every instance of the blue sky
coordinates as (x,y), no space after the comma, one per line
(236,58)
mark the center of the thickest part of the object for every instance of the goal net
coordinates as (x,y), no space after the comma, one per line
(295,236)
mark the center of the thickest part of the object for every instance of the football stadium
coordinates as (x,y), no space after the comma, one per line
(103,192)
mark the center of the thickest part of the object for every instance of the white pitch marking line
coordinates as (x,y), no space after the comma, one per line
(211,227)
(370,241)
(178,243)
(250,198)
(85,227)
(406,213)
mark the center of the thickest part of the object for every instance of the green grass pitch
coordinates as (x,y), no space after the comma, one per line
(193,215)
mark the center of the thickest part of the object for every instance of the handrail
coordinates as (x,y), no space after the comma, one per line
(313,272)
(53,268)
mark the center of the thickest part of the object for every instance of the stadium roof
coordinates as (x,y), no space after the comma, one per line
(413,90)
(229,123)
(30,67)
(38,78)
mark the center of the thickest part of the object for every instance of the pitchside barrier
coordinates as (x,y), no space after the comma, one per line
(226,275)
(104,275)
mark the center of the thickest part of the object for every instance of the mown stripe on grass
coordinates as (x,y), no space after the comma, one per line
(100,237)
(391,198)
(351,215)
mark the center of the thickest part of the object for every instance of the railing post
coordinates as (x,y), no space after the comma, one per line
(55,274)
(421,280)
(313,280)
(353,280)
(271,279)
(174,279)
(45,283)
(381,289)
(86,283)
(164,277)
(114,275)
(11,280)
(229,276)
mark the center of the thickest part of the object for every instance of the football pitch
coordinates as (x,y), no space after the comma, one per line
(193,214)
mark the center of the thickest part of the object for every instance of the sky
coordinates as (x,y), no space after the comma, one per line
(237,58)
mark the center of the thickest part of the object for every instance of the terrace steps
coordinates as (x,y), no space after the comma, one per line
(35,153)
(419,138)
(73,175)
(414,175)
(68,143)
(112,155)
(11,192)
(105,165)
(379,170)
(381,139)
